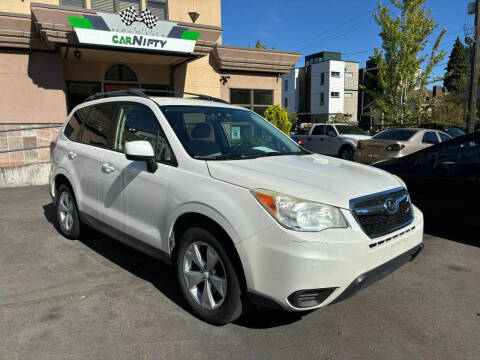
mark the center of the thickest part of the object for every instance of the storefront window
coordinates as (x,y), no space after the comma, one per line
(120,73)
(73,3)
(253,99)
(77,92)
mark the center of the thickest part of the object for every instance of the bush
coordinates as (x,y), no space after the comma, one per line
(278,116)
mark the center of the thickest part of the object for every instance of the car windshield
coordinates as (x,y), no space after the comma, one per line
(455,132)
(349,130)
(395,134)
(216,133)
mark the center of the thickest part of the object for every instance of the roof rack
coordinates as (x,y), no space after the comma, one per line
(146,92)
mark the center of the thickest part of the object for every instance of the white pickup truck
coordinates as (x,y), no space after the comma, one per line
(332,139)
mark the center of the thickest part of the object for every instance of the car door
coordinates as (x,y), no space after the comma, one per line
(331,142)
(313,142)
(95,144)
(145,194)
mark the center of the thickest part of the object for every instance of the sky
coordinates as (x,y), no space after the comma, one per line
(310,26)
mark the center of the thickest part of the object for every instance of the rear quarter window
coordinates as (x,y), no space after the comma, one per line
(73,129)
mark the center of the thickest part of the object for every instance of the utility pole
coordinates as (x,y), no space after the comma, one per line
(474,74)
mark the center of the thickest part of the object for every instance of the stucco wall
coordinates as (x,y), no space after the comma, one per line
(209,10)
(22,7)
(32,88)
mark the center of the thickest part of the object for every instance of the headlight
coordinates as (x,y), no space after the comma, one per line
(298,214)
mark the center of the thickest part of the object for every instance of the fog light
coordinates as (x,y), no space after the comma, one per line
(309,298)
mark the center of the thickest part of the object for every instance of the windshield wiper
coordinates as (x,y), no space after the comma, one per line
(249,156)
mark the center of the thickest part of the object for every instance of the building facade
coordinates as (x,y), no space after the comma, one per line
(55,53)
(328,86)
(290,90)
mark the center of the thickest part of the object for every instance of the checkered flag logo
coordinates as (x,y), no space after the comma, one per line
(130,15)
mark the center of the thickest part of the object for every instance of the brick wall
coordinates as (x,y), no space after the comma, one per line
(22,144)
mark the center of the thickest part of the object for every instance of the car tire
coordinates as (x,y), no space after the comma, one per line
(208,278)
(346,153)
(67,213)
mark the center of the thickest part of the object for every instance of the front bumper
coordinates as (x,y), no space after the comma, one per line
(278,262)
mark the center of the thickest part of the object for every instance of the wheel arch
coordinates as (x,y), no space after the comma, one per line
(62,178)
(217,226)
(346,145)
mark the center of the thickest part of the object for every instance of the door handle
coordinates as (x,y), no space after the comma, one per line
(107,168)
(72,155)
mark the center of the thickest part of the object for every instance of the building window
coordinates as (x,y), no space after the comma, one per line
(253,99)
(322,78)
(77,92)
(115,5)
(335,74)
(335,94)
(120,73)
(348,95)
(73,3)
(158,8)
(349,74)
(285,85)
(315,61)
(322,98)
(286,102)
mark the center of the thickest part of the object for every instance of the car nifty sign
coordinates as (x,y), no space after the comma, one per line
(132,30)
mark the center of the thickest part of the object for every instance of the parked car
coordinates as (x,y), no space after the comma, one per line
(450,130)
(396,143)
(241,211)
(452,169)
(332,139)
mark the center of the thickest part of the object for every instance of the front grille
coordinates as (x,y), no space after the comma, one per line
(373,216)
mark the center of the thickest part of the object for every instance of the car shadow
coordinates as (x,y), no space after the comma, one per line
(453,229)
(163,277)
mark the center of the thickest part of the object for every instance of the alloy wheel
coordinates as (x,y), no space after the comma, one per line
(65,210)
(205,275)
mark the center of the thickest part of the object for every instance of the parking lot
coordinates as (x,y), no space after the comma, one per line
(97,299)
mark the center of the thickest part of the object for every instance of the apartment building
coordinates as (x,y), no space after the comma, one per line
(55,53)
(290,90)
(327,86)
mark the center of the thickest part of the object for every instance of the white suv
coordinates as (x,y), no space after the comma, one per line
(243,213)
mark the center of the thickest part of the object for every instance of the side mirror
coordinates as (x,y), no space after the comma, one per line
(141,150)
(332,133)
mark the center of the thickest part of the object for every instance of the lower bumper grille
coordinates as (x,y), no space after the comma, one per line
(383,213)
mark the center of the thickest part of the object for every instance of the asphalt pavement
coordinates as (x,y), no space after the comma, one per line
(98,299)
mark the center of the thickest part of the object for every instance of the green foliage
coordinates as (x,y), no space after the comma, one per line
(292,117)
(456,77)
(404,39)
(340,118)
(259,45)
(449,109)
(278,116)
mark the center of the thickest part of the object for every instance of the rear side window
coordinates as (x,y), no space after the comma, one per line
(318,130)
(97,130)
(73,129)
(430,138)
(395,134)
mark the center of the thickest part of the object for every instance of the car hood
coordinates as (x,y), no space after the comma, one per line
(312,177)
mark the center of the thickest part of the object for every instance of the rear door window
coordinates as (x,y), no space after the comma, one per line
(73,129)
(97,130)
(430,137)
(444,137)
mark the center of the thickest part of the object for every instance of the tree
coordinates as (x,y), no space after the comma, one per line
(278,116)
(449,109)
(293,118)
(456,77)
(259,45)
(404,39)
